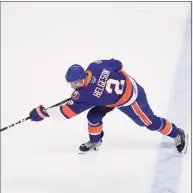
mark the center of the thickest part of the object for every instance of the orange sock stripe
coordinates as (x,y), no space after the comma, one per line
(141,114)
(95,130)
(68,111)
(167,129)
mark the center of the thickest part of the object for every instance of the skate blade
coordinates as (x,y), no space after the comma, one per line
(186,145)
(86,152)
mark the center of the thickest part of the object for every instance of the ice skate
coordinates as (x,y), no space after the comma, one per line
(181,141)
(88,146)
(85,147)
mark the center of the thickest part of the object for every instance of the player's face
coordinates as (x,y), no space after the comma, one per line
(77,84)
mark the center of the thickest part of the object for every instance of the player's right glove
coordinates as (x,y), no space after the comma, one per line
(38,114)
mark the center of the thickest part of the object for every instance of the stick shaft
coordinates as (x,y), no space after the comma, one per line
(25,119)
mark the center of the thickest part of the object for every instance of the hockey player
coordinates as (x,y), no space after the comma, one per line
(103,87)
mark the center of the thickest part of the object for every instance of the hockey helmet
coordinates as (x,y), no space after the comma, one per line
(74,73)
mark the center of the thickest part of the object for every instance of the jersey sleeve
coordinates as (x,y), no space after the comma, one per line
(112,64)
(72,108)
(75,106)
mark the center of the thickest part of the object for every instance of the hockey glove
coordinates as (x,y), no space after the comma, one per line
(38,114)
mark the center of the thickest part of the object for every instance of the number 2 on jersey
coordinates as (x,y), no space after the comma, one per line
(117,84)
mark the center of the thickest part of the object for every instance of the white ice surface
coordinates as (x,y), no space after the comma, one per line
(39,42)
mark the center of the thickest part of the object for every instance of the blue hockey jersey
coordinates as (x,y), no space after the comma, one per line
(106,84)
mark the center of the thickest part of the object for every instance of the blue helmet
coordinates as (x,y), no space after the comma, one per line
(75,73)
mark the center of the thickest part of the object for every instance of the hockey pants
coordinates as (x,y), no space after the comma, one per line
(140,112)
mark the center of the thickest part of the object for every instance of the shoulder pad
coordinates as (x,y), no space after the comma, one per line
(75,95)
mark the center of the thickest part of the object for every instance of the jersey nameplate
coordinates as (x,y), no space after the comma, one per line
(101,83)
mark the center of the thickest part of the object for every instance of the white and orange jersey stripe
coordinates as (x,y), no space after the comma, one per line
(62,112)
(130,94)
(138,111)
(67,111)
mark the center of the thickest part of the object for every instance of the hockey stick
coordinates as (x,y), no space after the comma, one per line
(25,119)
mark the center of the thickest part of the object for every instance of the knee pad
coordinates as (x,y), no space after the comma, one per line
(96,114)
(94,119)
(157,124)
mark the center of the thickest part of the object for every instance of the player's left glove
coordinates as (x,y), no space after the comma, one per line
(38,114)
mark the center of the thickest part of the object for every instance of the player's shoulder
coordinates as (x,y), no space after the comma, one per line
(97,64)
(80,95)
(94,67)
(76,95)
(94,64)
(102,62)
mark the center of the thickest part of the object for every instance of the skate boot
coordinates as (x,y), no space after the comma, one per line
(85,147)
(181,141)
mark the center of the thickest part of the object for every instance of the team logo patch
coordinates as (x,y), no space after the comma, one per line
(71,102)
(75,95)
